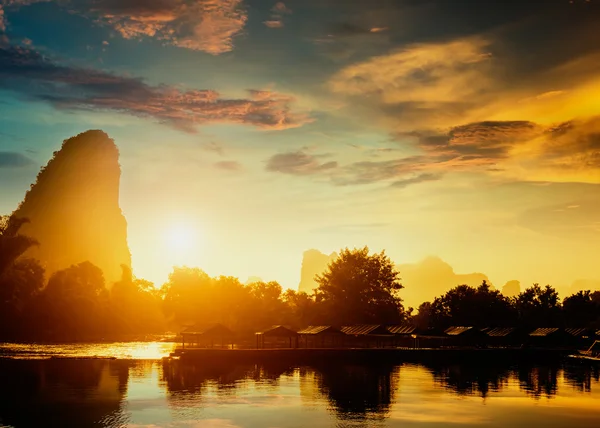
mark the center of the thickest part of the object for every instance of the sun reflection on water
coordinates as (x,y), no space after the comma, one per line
(119,350)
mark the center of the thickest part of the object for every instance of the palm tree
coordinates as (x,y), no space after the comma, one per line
(12,244)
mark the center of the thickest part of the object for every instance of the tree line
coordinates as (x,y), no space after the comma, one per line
(356,288)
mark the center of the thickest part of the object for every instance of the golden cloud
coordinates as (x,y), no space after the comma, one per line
(425,74)
(454,102)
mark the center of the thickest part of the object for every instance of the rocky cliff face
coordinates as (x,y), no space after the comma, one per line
(430,278)
(313,262)
(73,208)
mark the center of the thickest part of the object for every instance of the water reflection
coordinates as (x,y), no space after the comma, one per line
(60,393)
(81,393)
(581,376)
(357,392)
(468,379)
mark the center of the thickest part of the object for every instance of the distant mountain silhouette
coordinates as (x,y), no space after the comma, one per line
(74,210)
(512,288)
(313,262)
(423,281)
(430,278)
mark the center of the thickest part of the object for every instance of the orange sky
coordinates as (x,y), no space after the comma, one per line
(251,130)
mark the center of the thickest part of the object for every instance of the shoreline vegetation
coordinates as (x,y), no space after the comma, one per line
(76,305)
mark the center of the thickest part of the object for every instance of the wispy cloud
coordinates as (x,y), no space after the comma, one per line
(213,147)
(28,72)
(14,160)
(424,73)
(421,178)
(229,165)
(298,163)
(480,143)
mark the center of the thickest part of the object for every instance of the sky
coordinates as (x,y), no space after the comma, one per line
(253,130)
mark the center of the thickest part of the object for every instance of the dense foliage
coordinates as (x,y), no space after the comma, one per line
(356,287)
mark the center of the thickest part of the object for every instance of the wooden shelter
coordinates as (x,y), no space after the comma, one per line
(198,336)
(465,336)
(505,336)
(404,335)
(550,337)
(321,336)
(368,335)
(581,337)
(277,336)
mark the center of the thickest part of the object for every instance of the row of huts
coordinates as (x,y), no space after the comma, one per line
(381,336)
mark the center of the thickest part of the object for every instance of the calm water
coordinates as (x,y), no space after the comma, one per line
(153,393)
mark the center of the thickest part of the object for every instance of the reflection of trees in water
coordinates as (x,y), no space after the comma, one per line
(192,377)
(62,393)
(581,376)
(365,393)
(466,379)
(538,381)
(535,380)
(357,391)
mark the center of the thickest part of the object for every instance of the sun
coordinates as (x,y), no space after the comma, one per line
(181,238)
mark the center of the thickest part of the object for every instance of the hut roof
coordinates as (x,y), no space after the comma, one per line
(365,329)
(278,331)
(320,329)
(457,331)
(210,330)
(579,332)
(543,332)
(500,331)
(402,329)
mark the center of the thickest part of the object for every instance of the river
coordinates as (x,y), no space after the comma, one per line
(141,390)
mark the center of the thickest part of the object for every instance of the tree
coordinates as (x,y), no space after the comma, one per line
(581,310)
(360,288)
(136,305)
(75,303)
(187,296)
(20,283)
(467,306)
(233,304)
(267,306)
(300,308)
(12,244)
(538,306)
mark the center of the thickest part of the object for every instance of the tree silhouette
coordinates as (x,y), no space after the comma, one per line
(302,310)
(582,309)
(136,305)
(20,284)
(360,288)
(538,307)
(467,306)
(12,244)
(187,294)
(74,303)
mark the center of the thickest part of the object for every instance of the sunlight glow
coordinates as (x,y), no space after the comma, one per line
(181,237)
(183,243)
